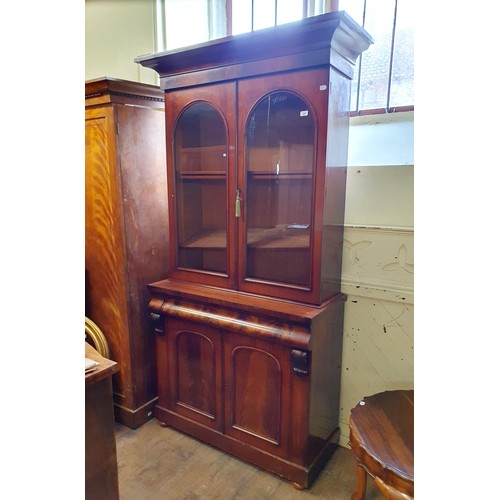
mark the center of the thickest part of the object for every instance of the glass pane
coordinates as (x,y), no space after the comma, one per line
(402,66)
(316,8)
(379,20)
(263,14)
(178,15)
(217,19)
(355,85)
(201,190)
(242,16)
(280,141)
(289,11)
(355,8)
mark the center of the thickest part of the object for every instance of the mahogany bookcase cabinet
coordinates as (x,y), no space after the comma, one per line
(249,318)
(126,231)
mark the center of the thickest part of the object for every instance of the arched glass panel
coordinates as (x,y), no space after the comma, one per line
(281,138)
(201,165)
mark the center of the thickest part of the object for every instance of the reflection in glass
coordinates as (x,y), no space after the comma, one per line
(200,145)
(280,146)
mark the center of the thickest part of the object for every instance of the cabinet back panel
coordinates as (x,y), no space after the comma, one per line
(283,265)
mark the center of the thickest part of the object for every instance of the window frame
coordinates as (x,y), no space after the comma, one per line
(387,109)
(309,8)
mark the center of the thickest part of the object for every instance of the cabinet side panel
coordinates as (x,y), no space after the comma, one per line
(335,184)
(141,152)
(326,361)
(104,253)
(101,471)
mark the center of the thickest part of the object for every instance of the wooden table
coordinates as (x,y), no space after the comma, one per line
(101,470)
(381,438)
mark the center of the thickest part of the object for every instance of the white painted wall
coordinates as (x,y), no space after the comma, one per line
(377,271)
(381,140)
(380,171)
(116,32)
(378,252)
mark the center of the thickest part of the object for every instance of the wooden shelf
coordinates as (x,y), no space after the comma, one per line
(208,238)
(202,174)
(263,175)
(222,175)
(276,238)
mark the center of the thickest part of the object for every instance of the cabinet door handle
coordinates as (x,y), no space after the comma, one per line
(300,362)
(238,204)
(157,323)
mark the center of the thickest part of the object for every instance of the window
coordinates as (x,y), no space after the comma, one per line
(383,78)
(250,15)
(186,22)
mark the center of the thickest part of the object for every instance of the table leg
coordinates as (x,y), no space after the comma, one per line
(359,494)
(390,492)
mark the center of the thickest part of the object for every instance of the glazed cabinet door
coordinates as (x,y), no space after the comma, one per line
(200,131)
(192,376)
(257,382)
(282,123)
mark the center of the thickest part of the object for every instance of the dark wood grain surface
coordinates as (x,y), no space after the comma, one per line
(382,438)
(101,471)
(249,337)
(125,230)
(105,369)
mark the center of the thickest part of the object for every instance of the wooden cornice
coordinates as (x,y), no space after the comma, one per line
(329,39)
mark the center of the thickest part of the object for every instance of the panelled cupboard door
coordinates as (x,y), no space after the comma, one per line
(194,372)
(257,383)
(200,131)
(282,123)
